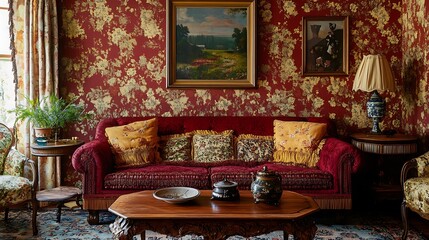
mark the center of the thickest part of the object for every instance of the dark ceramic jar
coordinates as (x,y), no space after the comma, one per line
(225,190)
(267,187)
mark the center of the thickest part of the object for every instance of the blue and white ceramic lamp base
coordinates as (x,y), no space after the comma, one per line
(376,108)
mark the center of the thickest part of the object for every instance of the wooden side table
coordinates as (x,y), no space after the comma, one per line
(385,144)
(58,149)
(59,194)
(386,147)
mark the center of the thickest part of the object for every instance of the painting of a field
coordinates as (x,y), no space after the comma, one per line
(211,43)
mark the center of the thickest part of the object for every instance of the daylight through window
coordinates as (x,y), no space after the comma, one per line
(7,87)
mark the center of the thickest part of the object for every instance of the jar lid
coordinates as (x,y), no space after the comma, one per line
(225,184)
(266,172)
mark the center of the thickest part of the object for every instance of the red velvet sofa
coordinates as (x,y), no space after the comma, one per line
(329,183)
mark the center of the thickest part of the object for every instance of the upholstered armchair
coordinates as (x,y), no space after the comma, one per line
(17,177)
(416,189)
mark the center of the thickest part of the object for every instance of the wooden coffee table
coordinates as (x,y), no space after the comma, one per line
(213,219)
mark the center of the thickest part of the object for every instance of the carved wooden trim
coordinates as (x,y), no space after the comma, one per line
(214,229)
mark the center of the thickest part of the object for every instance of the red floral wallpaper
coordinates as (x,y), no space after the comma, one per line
(113,56)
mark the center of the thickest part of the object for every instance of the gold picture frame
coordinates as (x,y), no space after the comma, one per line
(325,46)
(211,44)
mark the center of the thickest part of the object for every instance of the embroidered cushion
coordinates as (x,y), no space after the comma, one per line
(253,148)
(134,144)
(208,147)
(416,194)
(14,190)
(175,148)
(298,142)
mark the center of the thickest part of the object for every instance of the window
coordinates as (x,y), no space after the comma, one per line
(7,86)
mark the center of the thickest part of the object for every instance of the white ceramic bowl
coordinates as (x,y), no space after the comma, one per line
(176,194)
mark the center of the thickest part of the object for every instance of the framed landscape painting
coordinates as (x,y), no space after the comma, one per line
(211,44)
(325,46)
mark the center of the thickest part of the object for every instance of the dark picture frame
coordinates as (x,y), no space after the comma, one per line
(325,46)
(211,44)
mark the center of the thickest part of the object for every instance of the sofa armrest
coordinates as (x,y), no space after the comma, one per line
(341,159)
(94,160)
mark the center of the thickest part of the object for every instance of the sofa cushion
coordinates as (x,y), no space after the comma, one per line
(293,177)
(134,144)
(175,148)
(294,142)
(158,176)
(252,148)
(292,135)
(212,147)
(308,158)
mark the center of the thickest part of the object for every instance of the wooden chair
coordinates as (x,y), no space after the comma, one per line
(415,189)
(18,177)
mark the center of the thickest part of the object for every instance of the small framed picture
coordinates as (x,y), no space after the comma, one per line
(325,46)
(211,44)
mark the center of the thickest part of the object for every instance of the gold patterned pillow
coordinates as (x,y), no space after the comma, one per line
(213,147)
(298,142)
(300,158)
(175,148)
(134,144)
(253,148)
(291,135)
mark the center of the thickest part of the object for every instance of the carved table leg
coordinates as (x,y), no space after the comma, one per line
(120,229)
(301,229)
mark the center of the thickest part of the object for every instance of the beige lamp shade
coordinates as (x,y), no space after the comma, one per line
(374,73)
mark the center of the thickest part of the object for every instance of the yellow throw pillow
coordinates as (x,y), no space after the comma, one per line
(300,158)
(135,144)
(291,135)
(295,142)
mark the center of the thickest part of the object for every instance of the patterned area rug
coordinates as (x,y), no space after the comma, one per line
(74,226)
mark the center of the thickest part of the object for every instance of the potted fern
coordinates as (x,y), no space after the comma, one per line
(50,114)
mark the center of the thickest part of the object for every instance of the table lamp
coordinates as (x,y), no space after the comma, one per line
(373,75)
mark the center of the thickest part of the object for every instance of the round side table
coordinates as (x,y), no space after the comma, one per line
(58,194)
(385,144)
(64,147)
(387,148)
